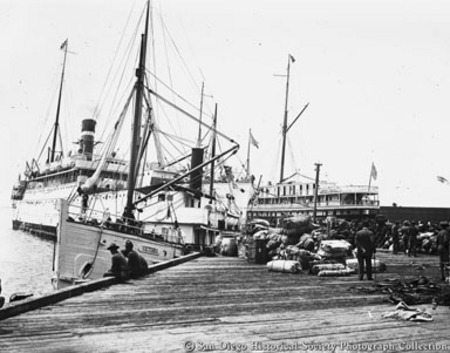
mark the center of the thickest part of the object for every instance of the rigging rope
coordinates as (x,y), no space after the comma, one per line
(97,107)
(126,58)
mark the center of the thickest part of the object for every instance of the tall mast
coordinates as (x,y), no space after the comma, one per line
(58,109)
(285,128)
(248,154)
(199,141)
(213,153)
(136,136)
(316,191)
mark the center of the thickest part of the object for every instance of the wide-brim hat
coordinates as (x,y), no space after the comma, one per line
(112,246)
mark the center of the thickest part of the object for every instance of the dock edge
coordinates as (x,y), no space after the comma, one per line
(30,304)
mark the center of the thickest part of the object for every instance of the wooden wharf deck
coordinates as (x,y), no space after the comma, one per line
(224,304)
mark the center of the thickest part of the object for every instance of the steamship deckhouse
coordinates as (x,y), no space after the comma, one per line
(298,198)
(34,197)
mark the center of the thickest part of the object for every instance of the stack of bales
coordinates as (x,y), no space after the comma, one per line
(256,240)
(294,227)
(292,241)
(296,246)
(333,254)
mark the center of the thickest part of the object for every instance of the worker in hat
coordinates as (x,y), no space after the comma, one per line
(404,231)
(365,246)
(119,264)
(413,232)
(442,242)
(137,265)
(395,232)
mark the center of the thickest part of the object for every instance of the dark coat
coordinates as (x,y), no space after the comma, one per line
(442,242)
(365,242)
(137,264)
(119,266)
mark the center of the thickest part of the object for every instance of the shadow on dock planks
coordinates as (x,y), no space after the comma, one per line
(224,304)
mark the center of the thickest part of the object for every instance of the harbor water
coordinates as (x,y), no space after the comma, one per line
(25,260)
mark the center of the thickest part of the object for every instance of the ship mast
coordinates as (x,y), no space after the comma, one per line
(137,121)
(284,131)
(199,140)
(213,153)
(58,109)
(287,127)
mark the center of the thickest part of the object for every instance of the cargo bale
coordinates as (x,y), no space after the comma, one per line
(315,269)
(297,222)
(287,266)
(262,234)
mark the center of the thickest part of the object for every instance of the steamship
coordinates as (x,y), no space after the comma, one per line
(92,197)
(300,198)
(300,195)
(35,195)
(163,208)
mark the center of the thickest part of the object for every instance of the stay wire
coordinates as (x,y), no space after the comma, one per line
(126,58)
(97,107)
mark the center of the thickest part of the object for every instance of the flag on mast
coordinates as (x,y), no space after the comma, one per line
(373,172)
(253,140)
(442,180)
(64,45)
(292,58)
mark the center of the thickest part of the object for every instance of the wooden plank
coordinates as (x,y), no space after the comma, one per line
(219,301)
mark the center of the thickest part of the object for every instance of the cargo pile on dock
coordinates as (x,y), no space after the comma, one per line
(305,245)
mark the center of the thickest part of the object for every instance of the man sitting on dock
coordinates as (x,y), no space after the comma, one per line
(137,265)
(119,264)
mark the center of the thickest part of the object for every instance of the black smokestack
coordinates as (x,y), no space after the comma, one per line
(87,137)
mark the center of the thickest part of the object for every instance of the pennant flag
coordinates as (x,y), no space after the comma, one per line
(64,45)
(291,58)
(373,172)
(442,180)
(253,140)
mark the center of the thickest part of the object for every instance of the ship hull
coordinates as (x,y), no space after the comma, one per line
(81,249)
(41,230)
(38,212)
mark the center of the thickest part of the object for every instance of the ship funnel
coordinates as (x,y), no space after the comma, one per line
(87,137)
(196,177)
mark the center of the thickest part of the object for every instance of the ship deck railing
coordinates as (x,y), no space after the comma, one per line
(121,224)
(323,206)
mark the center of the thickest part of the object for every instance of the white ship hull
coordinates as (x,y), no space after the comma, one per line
(81,252)
(38,211)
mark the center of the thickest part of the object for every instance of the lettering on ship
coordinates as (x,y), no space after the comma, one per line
(149,250)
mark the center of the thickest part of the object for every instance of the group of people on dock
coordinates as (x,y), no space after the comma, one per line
(127,263)
(406,236)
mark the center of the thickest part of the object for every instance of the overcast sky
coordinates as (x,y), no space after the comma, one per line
(376,75)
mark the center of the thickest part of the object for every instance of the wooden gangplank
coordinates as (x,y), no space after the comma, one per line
(224,304)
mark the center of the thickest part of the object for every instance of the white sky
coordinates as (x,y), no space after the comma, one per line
(376,75)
